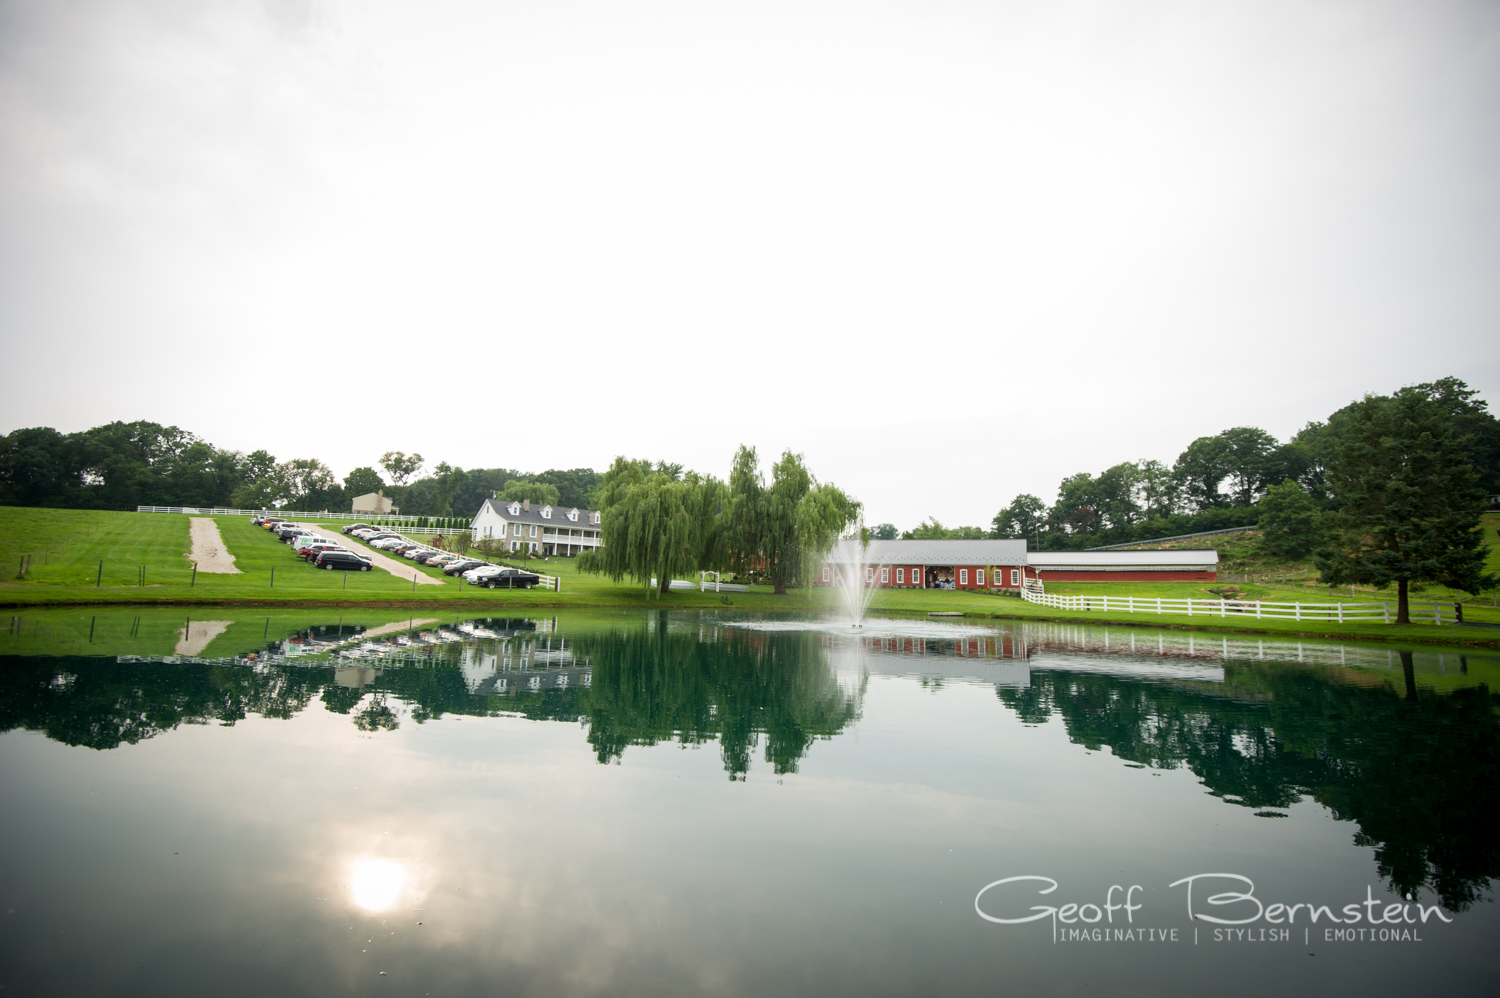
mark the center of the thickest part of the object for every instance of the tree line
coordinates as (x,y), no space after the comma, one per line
(1224,480)
(125,465)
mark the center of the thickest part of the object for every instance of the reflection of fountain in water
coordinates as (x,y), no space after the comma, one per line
(848,664)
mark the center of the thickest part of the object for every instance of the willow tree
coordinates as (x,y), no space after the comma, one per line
(658,527)
(784,529)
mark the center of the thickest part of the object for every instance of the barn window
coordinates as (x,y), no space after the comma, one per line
(825,573)
(900,576)
(979,576)
(963,576)
(869,575)
(885,576)
(1015,576)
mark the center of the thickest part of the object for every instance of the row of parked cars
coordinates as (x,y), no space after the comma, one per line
(315,548)
(326,553)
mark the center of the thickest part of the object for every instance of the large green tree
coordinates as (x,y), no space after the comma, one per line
(400,466)
(787,528)
(1408,499)
(362,481)
(1024,517)
(659,527)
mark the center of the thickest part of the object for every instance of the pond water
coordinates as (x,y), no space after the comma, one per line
(654,803)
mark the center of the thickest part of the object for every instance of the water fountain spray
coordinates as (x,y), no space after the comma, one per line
(848,563)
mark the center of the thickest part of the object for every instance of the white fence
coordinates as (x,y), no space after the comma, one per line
(1437,613)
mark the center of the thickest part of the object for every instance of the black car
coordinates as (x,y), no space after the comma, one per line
(353,527)
(346,561)
(511,578)
(286,533)
(461,566)
(421,559)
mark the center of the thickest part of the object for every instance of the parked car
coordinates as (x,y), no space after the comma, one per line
(414,551)
(462,565)
(346,561)
(478,575)
(272,522)
(287,532)
(353,527)
(427,555)
(439,560)
(404,547)
(510,578)
(386,543)
(312,549)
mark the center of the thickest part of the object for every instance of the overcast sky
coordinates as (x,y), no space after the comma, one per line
(950,251)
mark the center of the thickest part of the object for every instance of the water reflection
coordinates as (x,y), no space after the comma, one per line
(376,884)
(1403,744)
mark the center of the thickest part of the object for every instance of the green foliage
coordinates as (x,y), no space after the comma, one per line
(1022,518)
(1290,522)
(1408,499)
(362,481)
(659,527)
(540,493)
(883,532)
(400,466)
(786,529)
(933,530)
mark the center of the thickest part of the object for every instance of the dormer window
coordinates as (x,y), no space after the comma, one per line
(515,509)
(573,515)
(546,512)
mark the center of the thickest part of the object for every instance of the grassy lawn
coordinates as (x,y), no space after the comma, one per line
(79,540)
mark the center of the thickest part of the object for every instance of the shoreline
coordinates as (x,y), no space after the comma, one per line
(1455,635)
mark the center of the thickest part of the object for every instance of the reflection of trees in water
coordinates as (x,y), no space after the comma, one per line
(376,715)
(655,686)
(105,704)
(649,686)
(1416,772)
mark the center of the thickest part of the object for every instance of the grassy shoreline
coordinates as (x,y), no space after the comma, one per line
(70,544)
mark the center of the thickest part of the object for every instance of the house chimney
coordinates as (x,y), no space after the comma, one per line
(526,505)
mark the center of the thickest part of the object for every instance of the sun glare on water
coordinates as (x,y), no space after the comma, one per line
(375,884)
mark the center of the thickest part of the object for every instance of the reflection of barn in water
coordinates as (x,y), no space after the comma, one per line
(997,658)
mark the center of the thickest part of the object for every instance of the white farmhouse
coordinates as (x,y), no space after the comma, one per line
(548,530)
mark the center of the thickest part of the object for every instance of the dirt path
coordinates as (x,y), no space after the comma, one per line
(208,548)
(198,633)
(397,567)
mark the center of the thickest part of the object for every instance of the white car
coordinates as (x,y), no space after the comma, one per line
(386,543)
(474,576)
(412,554)
(442,559)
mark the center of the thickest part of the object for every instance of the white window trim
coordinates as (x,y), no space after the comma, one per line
(979,576)
(885,576)
(900,576)
(1015,576)
(963,576)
